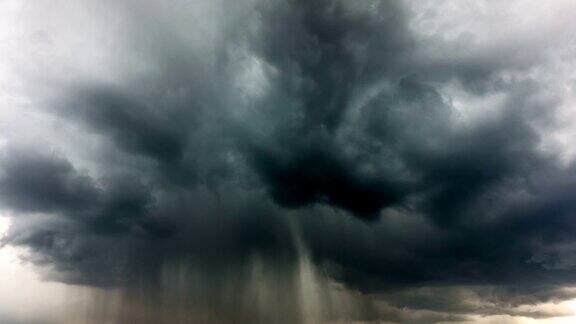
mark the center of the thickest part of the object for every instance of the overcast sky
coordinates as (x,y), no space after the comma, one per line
(295,161)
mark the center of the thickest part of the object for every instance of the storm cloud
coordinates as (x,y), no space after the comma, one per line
(296,161)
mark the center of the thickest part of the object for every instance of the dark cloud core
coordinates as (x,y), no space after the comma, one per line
(239,159)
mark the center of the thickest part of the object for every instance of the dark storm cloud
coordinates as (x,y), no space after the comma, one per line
(139,129)
(317,174)
(481,158)
(132,125)
(350,121)
(42,182)
(325,52)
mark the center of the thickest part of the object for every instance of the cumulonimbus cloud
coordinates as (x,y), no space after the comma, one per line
(226,137)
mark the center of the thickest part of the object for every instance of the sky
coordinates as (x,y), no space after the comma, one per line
(287,161)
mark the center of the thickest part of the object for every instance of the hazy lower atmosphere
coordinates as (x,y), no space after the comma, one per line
(287,161)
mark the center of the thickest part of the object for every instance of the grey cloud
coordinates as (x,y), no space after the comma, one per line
(43,183)
(350,121)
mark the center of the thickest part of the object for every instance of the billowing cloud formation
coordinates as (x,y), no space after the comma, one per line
(219,158)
